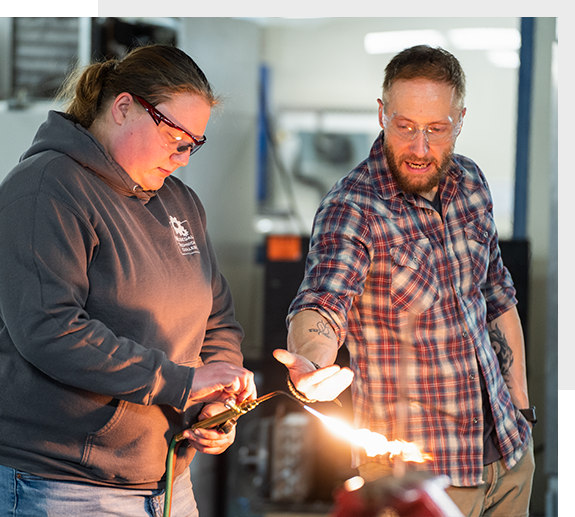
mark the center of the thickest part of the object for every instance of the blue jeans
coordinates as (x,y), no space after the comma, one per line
(25,495)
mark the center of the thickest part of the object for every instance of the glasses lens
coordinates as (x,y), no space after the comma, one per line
(435,133)
(439,133)
(177,141)
(195,147)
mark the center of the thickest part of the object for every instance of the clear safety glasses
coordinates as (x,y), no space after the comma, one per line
(407,130)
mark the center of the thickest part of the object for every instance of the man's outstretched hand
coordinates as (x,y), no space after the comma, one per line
(324,384)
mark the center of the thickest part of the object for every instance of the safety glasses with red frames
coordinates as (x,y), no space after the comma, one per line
(174,137)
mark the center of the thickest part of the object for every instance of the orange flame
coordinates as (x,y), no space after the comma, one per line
(373,443)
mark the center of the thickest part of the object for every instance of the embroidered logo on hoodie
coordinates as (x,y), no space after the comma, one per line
(183,237)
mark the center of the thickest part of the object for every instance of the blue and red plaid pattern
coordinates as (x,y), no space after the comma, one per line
(395,278)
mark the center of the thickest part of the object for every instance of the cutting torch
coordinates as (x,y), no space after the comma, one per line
(224,422)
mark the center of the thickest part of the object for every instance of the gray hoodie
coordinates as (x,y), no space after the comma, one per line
(110,296)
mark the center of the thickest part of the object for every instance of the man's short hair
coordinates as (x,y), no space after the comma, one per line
(425,62)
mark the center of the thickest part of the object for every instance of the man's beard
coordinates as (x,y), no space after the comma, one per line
(417,184)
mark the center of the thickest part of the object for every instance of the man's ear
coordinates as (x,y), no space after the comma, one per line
(463,112)
(120,107)
(380,112)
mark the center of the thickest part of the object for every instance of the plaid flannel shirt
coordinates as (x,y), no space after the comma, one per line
(397,280)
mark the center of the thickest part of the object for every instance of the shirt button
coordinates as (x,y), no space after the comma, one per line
(472,376)
(464,334)
(475,420)
(485,234)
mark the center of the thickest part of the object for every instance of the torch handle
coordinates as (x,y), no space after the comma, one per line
(216,420)
(220,420)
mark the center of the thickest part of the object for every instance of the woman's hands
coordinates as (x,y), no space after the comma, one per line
(217,382)
(210,441)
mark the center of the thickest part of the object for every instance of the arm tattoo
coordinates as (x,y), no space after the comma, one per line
(322,329)
(502,349)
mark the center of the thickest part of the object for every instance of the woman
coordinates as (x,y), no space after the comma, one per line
(116,325)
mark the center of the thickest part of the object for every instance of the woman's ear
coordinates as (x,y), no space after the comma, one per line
(120,107)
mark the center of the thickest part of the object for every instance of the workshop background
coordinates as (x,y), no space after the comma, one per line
(299,112)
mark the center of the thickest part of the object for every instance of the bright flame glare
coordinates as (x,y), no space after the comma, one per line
(373,443)
(354,483)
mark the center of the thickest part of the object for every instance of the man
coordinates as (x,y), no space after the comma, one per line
(404,268)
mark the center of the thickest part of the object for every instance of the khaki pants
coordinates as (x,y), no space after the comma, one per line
(504,493)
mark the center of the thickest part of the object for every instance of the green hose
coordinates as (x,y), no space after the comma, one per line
(224,421)
(170,473)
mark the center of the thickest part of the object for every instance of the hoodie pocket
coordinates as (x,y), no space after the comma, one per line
(131,448)
(413,279)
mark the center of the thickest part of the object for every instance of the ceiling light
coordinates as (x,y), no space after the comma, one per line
(491,38)
(504,58)
(395,41)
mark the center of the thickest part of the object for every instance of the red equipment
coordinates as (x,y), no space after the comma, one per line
(413,495)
